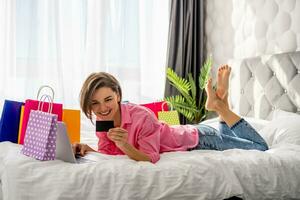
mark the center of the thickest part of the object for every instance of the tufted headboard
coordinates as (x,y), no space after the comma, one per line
(259,85)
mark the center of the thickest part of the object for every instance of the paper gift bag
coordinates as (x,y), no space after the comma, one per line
(72,121)
(40,137)
(156,106)
(9,123)
(20,124)
(33,105)
(170,117)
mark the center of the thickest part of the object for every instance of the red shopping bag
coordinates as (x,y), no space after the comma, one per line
(156,106)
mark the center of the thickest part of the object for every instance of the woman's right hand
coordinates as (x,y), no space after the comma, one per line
(80,148)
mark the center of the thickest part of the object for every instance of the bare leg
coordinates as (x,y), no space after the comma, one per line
(223,84)
(225,100)
(241,134)
(214,103)
(223,81)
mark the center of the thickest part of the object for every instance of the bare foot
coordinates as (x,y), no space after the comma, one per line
(223,81)
(212,98)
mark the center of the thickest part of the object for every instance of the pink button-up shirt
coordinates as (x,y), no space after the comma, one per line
(148,134)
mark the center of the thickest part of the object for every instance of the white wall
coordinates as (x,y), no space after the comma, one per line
(247,28)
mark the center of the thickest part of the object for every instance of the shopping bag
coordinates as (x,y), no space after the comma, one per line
(156,106)
(20,124)
(9,123)
(170,117)
(40,137)
(31,104)
(72,121)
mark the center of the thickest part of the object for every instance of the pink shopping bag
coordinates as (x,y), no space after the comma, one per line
(40,137)
(33,105)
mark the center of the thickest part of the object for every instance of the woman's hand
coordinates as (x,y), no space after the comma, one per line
(118,135)
(80,148)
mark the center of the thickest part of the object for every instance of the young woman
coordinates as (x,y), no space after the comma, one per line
(139,134)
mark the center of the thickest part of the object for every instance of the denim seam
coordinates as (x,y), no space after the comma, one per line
(237,123)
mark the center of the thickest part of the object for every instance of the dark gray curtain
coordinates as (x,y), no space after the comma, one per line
(186,41)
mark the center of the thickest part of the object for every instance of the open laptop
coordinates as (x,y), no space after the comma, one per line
(64,149)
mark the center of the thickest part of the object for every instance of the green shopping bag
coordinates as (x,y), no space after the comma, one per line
(170,117)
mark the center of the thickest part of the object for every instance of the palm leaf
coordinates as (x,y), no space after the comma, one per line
(178,102)
(185,103)
(204,72)
(181,84)
(193,85)
(188,115)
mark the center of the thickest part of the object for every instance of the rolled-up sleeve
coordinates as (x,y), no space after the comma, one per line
(149,139)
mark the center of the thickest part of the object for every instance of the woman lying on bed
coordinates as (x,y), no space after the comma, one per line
(140,135)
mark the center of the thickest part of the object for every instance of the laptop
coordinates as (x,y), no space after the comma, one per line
(64,149)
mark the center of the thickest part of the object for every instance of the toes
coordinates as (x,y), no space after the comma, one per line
(221,68)
(208,84)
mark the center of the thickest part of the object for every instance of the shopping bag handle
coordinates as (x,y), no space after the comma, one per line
(162,105)
(43,100)
(43,87)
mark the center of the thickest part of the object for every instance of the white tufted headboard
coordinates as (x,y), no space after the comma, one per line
(238,29)
(262,84)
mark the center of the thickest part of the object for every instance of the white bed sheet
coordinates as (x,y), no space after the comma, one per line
(202,174)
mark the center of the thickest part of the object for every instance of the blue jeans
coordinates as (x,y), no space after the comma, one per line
(241,136)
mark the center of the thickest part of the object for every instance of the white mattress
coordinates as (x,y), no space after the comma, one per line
(202,174)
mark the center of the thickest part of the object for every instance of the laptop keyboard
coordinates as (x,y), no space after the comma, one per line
(80,159)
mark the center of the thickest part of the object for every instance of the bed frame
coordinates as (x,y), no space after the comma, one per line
(259,86)
(262,84)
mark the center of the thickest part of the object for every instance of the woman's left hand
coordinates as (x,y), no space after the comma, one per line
(118,135)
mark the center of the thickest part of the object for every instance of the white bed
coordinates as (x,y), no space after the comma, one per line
(202,174)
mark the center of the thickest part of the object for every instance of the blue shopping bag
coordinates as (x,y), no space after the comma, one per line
(9,123)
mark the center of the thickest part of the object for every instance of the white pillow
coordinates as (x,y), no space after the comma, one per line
(283,129)
(281,113)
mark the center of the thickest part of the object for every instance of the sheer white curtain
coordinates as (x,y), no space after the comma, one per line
(8,69)
(130,42)
(43,44)
(60,42)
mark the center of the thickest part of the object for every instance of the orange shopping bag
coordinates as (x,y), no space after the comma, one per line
(72,121)
(20,123)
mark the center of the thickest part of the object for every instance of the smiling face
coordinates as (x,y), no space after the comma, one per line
(101,95)
(105,104)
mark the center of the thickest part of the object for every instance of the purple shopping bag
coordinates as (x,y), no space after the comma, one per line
(31,104)
(40,138)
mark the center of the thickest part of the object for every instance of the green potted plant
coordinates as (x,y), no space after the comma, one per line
(186,102)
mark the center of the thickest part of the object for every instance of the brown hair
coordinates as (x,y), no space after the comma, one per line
(93,82)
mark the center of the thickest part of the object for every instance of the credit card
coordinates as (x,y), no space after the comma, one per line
(104,126)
